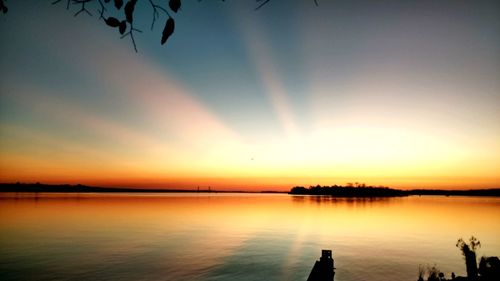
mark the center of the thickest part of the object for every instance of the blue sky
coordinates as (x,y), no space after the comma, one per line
(388,92)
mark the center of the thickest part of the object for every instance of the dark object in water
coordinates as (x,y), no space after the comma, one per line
(323,269)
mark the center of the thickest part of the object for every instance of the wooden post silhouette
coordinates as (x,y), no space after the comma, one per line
(323,270)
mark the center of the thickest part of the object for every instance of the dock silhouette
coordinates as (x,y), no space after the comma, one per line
(323,269)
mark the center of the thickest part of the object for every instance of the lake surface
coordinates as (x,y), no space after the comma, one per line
(236,236)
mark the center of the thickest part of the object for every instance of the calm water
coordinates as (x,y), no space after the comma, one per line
(235,236)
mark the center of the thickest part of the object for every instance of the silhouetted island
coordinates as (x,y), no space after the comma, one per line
(362,190)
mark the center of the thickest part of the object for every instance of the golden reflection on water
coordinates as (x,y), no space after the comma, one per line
(368,236)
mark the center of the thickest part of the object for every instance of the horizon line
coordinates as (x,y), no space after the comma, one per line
(209,189)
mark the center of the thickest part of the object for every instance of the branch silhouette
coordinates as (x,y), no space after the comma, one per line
(264,2)
(3,7)
(124,22)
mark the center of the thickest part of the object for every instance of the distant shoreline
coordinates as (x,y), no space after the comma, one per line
(339,191)
(79,188)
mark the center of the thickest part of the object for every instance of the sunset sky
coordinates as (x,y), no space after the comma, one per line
(398,93)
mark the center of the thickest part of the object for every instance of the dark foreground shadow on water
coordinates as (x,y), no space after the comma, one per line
(489,267)
(488,270)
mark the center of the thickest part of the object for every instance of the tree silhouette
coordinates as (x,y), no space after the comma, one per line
(124,21)
(469,252)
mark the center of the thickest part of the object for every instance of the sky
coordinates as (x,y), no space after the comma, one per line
(397,93)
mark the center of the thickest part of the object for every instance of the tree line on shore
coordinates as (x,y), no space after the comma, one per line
(349,190)
(363,190)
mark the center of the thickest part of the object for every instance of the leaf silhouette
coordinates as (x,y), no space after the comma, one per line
(129,10)
(174,5)
(168,30)
(123,27)
(113,22)
(118,4)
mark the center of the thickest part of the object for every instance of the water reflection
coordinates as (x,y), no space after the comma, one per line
(357,201)
(235,236)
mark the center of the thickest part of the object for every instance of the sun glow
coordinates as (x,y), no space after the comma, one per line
(395,121)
